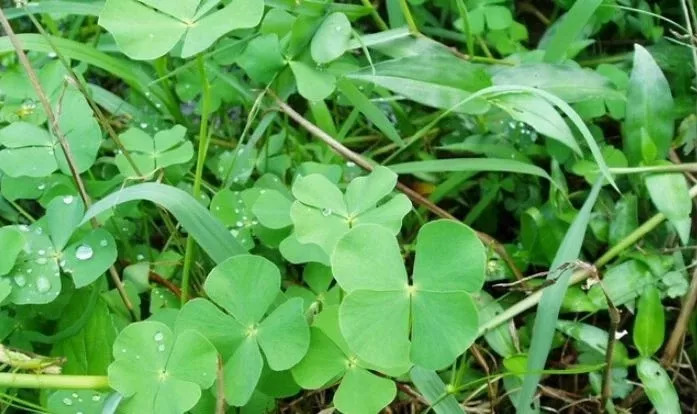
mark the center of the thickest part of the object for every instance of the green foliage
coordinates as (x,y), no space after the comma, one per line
(247,206)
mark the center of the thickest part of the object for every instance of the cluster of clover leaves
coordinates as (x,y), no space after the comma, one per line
(376,322)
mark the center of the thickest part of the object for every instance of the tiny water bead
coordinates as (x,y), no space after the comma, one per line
(326,212)
(68,199)
(67,401)
(75,395)
(41,187)
(104,243)
(161,347)
(159,336)
(96,397)
(20,280)
(43,285)
(84,252)
(41,261)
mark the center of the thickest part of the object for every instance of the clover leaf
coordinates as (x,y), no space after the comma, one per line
(158,371)
(168,148)
(148,29)
(329,358)
(331,39)
(76,401)
(25,141)
(321,214)
(246,286)
(388,321)
(36,274)
(318,278)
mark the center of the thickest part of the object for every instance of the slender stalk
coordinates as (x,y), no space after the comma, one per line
(63,142)
(676,337)
(36,381)
(376,16)
(203,143)
(531,300)
(368,166)
(413,28)
(688,166)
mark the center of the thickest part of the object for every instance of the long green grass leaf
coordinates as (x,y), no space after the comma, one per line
(62,7)
(548,308)
(469,164)
(569,29)
(208,232)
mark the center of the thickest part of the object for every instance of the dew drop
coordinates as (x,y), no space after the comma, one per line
(75,395)
(103,243)
(41,261)
(83,252)
(43,285)
(41,252)
(239,224)
(68,199)
(20,280)
(159,336)
(41,187)
(96,397)
(140,257)
(24,228)
(143,125)
(67,401)
(161,347)
(39,230)
(326,212)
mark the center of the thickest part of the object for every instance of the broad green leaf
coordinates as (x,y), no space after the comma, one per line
(262,58)
(376,326)
(169,147)
(648,127)
(24,142)
(369,109)
(148,29)
(36,275)
(157,371)
(201,315)
(539,114)
(315,190)
(444,325)
(624,220)
(388,214)
(88,351)
(331,39)
(211,235)
(73,401)
(272,209)
(431,386)
(365,192)
(284,336)
(669,193)
(296,252)
(499,338)
(594,338)
(313,84)
(570,83)
(81,130)
(658,387)
(552,297)
(324,362)
(242,371)
(649,323)
(375,265)
(455,265)
(12,242)
(90,257)
(63,215)
(351,396)
(245,286)
(319,227)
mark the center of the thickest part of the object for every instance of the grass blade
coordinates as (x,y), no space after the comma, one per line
(63,7)
(569,29)
(548,308)
(208,232)
(469,164)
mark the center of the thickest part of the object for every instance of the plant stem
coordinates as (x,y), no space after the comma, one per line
(376,16)
(413,28)
(688,166)
(203,143)
(581,275)
(65,146)
(36,381)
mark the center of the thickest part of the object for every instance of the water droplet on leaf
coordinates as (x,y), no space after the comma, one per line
(68,199)
(43,285)
(326,212)
(20,280)
(83,252)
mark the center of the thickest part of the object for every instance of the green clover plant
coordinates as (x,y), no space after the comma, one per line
(158,371)
(247,286)
(329,360)
(34,152)
(389,321)
(148,29)
(76,401)
(168,147)
(45,253)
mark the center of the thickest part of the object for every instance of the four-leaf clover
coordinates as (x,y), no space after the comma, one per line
(159,372)
(246,286)
(388,321)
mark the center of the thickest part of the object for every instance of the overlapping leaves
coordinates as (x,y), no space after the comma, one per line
(148,154)
(388,321)
(247,287)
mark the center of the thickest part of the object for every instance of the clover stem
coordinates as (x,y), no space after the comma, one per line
(203,143)
(47,381)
